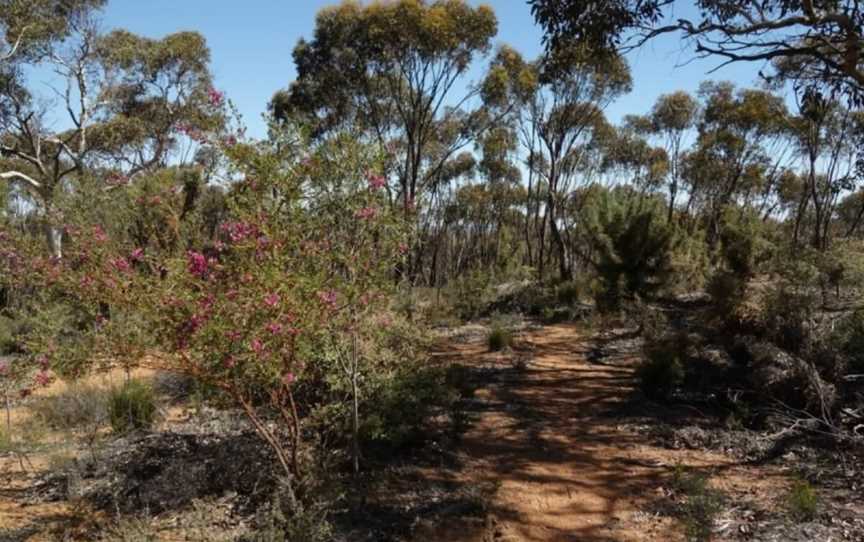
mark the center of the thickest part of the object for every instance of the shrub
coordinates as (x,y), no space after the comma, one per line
(849,338)
(303,262)
(273,523)
(556,315)
(802,501)
(396,411)
(78,406)
(701,506)
(499,338)
(470,294)
(130,530)
(131,406)
(568,293)
(787,315)
(744,246)
(526,298)
(730,307)
(9,336)
(634,253)
(661,372)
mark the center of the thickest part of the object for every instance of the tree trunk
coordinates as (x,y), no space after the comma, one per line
(558,240)
(355,411)
(673,193)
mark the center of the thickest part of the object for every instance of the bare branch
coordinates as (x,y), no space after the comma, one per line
(13,175)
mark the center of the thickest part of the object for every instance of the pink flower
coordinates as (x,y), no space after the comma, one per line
(366,213)
(234,335)
(195,322)
(206,303)
(231,140)
(328,298)
(230,362)
(137,255)
(288,379)
(121,264)
(117,179)
(271,300)
(197,264)
(275,328)
(99,234)
(403,248)
(239,231)
(376,181)
(256,346)
(215,97)
(42,378)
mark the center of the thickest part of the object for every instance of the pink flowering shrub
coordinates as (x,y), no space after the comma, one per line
(279,303)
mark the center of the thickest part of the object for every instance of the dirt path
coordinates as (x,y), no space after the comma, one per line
(550,437)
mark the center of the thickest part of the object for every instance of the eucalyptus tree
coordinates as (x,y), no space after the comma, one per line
(390,72)
(824,131)
(28,28)
(815,44)
(124,103)
(671,119)
(629,158)
(561,100)
(742,149)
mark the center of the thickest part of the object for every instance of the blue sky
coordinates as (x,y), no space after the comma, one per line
(251,43)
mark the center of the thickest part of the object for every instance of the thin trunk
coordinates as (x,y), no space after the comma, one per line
(558,240)
(355,414)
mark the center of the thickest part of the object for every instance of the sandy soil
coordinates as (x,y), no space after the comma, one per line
(551,434)
(551,438)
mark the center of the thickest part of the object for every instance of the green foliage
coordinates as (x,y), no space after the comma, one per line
(743,250)
(662,371)
(498,339)
(398,407)
(470,294)
(38,24)
(10,335)
(848,337)
(273,523)
(842,266)
(701,506)
(788,317)
(728,292)
(401,56)
(743,243)
(568,293)
(802,501)
(634,248)
(691,261)
(131,406)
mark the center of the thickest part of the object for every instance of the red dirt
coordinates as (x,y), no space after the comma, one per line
(566,470)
